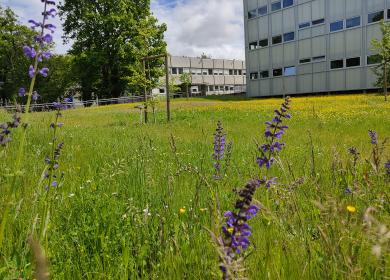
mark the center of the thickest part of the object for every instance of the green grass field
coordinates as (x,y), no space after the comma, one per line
(116,212)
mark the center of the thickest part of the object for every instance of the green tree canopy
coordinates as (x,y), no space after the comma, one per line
(110,38)
(13,64)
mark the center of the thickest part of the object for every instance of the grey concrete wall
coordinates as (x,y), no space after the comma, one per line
(315,42)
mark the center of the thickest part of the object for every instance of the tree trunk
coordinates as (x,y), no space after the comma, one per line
(187,91)
(385,80)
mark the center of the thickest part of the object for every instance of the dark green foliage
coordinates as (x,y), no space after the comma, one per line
(110,38)
(13,63)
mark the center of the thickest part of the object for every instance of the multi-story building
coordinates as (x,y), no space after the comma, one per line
(304,46)
(209,76)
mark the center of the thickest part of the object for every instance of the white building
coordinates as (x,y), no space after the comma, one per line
(305,46)
(208,76)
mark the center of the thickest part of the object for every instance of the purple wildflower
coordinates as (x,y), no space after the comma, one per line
(274,131)
(374,137)
(387,167)
(22,92)
(35,96)
(219,149)
(29,52)
(44,71)
(50,27)
(5,130)
(47,38)
(31,71)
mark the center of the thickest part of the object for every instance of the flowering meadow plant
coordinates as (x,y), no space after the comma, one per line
(236,231)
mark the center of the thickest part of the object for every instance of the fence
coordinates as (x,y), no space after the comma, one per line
(78,104)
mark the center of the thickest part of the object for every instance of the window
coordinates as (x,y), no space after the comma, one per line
(226,88)
(264,74)
(230,71)
(211,88)
(277,72)
(252,45)
(352,22)
(240,72)
(388,13)
(288,3)
(304,25)
(231,88)
(277,39)
(252,14)
(174,71)
(336,26)
(263,10)
(337,64)
(289,36)
(235,72)
(204,72)
(216,88)
(180,70)
(352,62)
(319,58)
(290,71)
(162,90)
(374,17)
(374,59)
(318,21)
(210,71)
(276,6)
(263,43)
(254,76)
(305,60)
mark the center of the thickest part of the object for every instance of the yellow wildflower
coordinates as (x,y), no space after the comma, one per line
(182,210)
(230,230)
(351,209)
(203,209)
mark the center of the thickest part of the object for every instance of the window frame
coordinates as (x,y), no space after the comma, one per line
(305,60)
(287,6)
(251,44)
(353,26)
(288,33)
(276,3)
(264,77)
(281,39)
(260,8)
(337,60)
(304,25)
(319,58)
(254,76)
(351,58)
(336,24)
(318,22)
(252,14)
(287,68)
(375,63)
(277,69)
(264,45)
(378,13)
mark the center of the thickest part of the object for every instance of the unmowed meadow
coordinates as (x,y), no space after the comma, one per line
(136,201)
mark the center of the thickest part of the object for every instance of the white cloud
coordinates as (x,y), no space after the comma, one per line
(214,27)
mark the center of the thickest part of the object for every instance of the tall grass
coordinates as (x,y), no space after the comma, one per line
(116,215)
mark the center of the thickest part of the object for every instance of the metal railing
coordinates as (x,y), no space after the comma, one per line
(77,103)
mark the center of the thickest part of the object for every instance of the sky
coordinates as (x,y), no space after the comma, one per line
(213,27)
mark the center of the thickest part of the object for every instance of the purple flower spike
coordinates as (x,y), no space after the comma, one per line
(374,137)
(22,92)
(44,71)
(31,71)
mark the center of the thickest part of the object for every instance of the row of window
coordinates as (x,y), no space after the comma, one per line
(278,39)
(276,6)
(278,72)
(334,64)
(221,88)
(181,70)
(334,26)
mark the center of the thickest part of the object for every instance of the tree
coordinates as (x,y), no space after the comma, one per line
(110,38)
(185,79)
(383,48)
(13,63)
